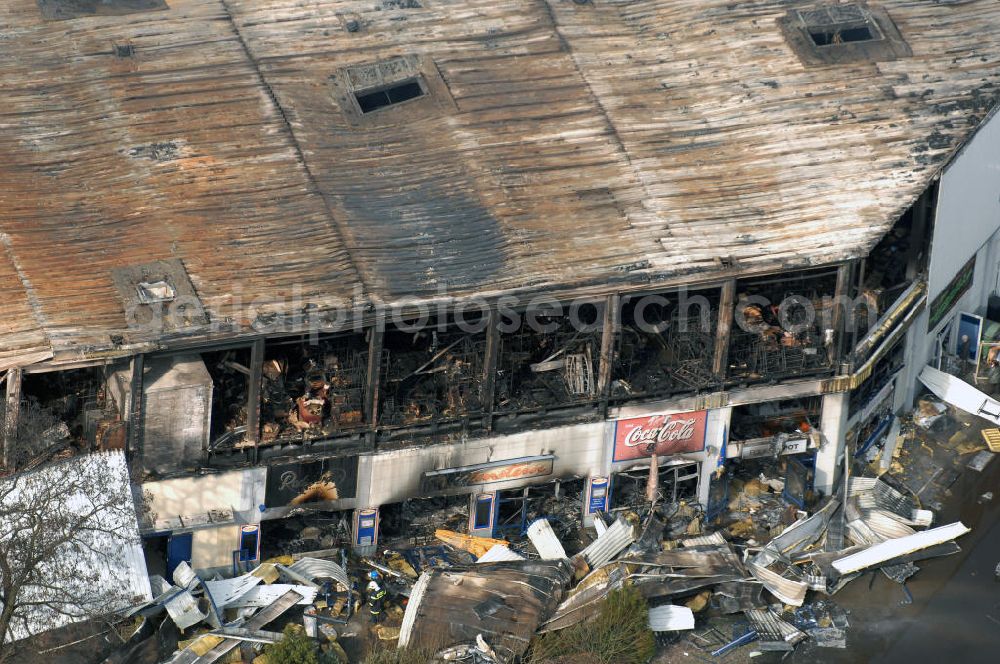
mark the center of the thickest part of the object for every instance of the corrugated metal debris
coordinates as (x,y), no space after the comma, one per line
(505,602)
(670,618)
(885,551)
(609,544)
(499,554)
(545,541)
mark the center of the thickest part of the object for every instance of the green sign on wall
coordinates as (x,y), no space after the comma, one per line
(947,298)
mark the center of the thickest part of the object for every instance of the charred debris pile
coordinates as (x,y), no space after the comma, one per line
(761,578)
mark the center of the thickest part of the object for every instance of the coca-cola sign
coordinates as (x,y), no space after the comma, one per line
(640,437)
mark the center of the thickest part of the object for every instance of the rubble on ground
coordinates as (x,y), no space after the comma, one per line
(760,576)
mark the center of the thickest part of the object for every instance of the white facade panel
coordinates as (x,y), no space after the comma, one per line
(390,477)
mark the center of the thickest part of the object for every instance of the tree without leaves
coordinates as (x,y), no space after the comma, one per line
(64,529)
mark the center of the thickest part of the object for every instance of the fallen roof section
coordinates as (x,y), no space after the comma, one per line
(504,602)
(891,549)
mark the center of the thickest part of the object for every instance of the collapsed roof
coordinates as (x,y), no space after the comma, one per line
(355,153)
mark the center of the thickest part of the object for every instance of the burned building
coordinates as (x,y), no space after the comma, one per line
(343,256)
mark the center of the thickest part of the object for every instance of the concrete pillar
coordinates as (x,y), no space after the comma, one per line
(716,434)
(833,427)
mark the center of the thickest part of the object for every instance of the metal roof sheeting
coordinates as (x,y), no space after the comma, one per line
(603,549)
(109,549)
(499,554)
(655,150)
(317,568)
(884,551)
(544,539)
(670,618)
(503,602)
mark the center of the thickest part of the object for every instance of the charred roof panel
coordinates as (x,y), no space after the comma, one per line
(553,145)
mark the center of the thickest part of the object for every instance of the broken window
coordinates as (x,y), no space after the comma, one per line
(156,291)
(230,372)
(550,360)
(675,482)
(397,93)
(313,388)
(759,421)
(64,409)
(839,24)
(413,522)
(894,263)
(783,328)
(432,372)
(126,50)
(837,33)
(559,501)
(666,345)
(308,532)
(883,372)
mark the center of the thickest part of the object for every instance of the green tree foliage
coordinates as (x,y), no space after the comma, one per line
(619,634)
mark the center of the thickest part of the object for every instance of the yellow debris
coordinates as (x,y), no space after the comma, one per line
(282,560)
(398,563)
(386,633)
(477,546)
(742,529)
(267,573)
(699,601)
(992,439)
(204,643)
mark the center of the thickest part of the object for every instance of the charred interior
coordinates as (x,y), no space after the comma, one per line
(666,345)
(883,372)
(550,361)
(782,328)
(70,408)
(432,372)
(774,418)
(674,483)
(313,389)
(897,260)
(230,372)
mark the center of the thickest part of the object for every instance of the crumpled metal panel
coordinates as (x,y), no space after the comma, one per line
(498,554)
(504,602)
(545,541)
(670,618)
(316,568)
(603,549)
(183,610)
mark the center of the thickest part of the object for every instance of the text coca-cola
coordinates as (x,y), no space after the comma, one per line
(671,430)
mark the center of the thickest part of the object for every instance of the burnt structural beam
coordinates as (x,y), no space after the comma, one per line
(253,391)
(376,335)
(727,303)
(842,311)
(489,377)
(135,413)
(11,414)
(609,335)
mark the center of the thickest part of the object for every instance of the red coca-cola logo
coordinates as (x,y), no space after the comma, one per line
(660,434)
(671,430)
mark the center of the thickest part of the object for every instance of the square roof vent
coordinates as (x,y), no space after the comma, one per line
(843,33)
